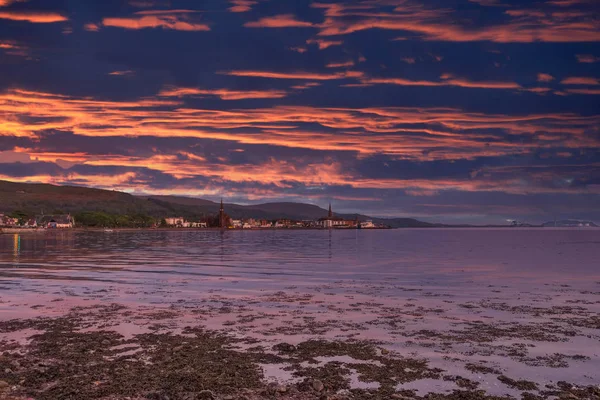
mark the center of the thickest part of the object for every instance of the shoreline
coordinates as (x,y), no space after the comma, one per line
(112,230)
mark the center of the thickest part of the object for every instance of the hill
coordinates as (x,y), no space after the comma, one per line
(33,199)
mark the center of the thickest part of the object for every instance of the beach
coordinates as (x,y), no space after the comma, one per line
(394,314)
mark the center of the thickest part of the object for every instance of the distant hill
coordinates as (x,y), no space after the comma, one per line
(34,199)
(570,223)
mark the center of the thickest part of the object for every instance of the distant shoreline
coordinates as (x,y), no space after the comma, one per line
(8,231)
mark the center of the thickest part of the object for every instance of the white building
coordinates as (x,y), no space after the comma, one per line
(367,224)
(177,221)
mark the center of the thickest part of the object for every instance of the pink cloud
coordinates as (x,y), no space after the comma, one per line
(122,73)
(584,91)
(544,77)
(343,64)
(166,19)
(91,27)
(279,21)
(323,43)
(579,80)
(296,75)
(523,25)
(240,6)
(223,94)
(446,80)
(299,49)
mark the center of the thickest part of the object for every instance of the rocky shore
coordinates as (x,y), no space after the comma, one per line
(82,356)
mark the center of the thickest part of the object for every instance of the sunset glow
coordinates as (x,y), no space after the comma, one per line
(386,107)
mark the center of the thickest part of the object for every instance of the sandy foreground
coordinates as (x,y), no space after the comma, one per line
(343,340)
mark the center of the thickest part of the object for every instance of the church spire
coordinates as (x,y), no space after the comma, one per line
(222,217)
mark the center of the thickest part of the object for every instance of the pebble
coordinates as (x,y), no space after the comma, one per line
(318,385)
(282,388)
(4,385)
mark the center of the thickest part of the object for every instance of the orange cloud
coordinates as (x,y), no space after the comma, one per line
(299,49)
(544,77)
(538,90)
(431,24)
(279,21)
(282,174)
(166,19)
(91,27)
(405,133)
(223,94)
(343,64)
(481,84)
(305,86)
(14,49)
(447,80)
(34,17)
(575,80)
(324,44)
(240,6)
(296,75)
(122,73)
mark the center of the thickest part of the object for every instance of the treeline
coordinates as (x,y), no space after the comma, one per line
(95,219)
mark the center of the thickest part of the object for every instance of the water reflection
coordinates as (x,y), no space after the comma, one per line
(444,257)
(16,247)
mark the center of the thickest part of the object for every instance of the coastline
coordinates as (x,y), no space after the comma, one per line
(12,231)
(108,230)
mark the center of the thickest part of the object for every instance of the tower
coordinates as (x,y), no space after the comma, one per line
(222,215)
(330,215)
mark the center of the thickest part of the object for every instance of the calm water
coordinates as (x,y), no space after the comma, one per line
(432,256)
(431,279)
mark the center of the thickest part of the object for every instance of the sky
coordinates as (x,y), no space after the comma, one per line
(456,111)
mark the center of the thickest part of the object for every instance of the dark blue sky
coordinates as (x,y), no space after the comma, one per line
(456,111)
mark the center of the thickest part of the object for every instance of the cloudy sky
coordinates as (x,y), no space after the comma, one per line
(447,110)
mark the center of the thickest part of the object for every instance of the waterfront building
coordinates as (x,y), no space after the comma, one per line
(8,221)
(332,221)
(223,218)
(367,224)
(64,221)
(176,221)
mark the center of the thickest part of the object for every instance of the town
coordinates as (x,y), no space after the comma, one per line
(222,220)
